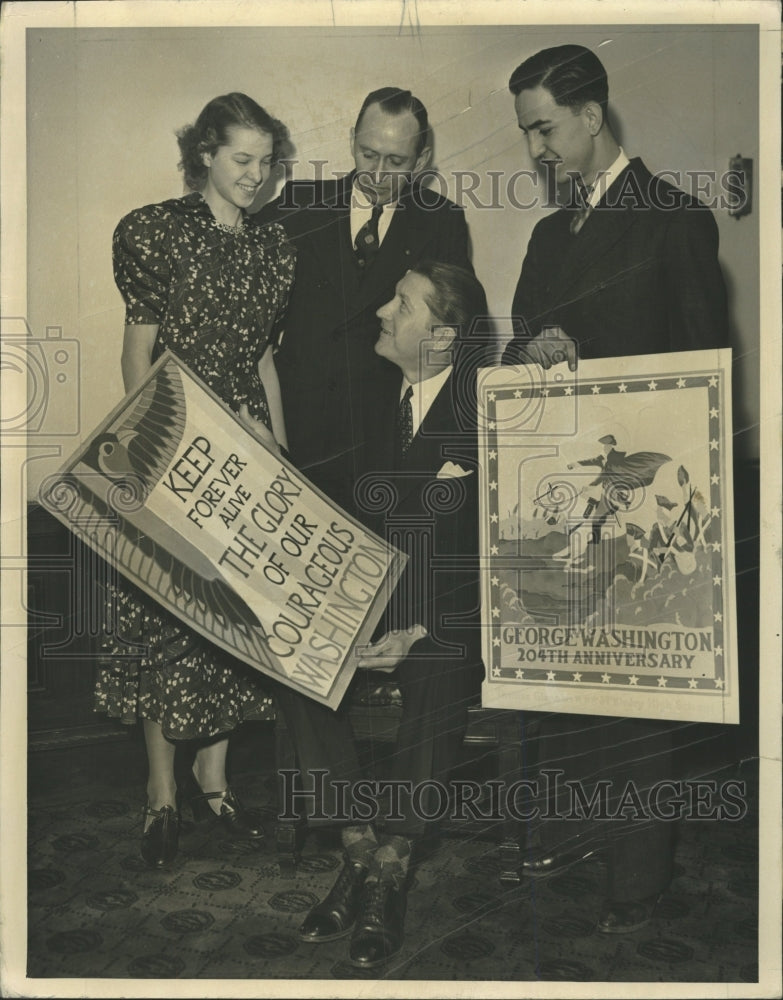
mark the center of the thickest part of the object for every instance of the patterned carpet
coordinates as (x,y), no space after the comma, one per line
(225,912)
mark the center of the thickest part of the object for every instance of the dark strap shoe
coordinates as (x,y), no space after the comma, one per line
(233,816)
(335,916)
(160,840)
(239,821)
(380,925)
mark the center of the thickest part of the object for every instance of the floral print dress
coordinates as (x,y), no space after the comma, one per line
(217,297)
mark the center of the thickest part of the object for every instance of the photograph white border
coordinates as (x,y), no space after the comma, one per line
(16,18)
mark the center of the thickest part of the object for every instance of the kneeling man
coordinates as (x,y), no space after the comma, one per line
(421,468)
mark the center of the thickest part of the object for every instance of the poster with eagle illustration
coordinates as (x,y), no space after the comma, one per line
(607,537)
(177,494)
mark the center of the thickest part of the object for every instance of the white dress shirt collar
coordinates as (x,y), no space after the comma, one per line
(361,210)
(606,178)
(424,394)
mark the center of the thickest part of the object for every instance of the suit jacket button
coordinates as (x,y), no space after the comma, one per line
(331,385)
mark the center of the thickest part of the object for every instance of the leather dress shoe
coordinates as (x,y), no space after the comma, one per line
(379,930)
(551,863)
(233,816)
(160,840)
(626,917)
(335,916)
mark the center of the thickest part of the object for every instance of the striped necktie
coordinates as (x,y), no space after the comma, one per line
(579,215)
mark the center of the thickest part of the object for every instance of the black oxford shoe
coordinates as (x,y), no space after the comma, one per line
(380,924)
(335,916)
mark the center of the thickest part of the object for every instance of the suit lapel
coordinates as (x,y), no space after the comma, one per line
(331,241)
(348,278)
(605,226)
(386,440)
(407,234)
(425,455)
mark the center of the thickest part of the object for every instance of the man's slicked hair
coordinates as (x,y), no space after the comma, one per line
(572,74)
(395,101)
(458,299)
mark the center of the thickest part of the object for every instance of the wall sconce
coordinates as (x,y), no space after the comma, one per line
(739,185)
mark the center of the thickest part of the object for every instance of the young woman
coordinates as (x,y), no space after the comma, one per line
(197,279)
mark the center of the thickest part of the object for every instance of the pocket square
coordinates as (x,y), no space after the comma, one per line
(449,470)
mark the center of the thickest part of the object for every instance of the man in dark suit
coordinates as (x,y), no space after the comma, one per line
(419,491)
(355,238)
(628,265)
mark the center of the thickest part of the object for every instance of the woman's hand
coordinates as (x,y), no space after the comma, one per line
(390,650)
(258,429)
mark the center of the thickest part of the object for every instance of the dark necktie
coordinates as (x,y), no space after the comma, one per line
(579,215)
(367,243)
(405,422)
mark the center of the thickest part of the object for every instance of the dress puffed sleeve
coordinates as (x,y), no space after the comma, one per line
(140,253)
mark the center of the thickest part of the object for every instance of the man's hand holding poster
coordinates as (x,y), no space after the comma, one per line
(175,492)
(607,537)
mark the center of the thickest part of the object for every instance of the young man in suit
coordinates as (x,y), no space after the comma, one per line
(355,238)
(628,266)
(419,491)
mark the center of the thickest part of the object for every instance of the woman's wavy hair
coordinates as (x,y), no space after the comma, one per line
(210,131)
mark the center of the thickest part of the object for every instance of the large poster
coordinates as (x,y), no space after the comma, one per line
(607,532)
(175,492)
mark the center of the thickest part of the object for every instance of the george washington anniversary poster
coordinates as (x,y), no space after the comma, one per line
(608,537)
